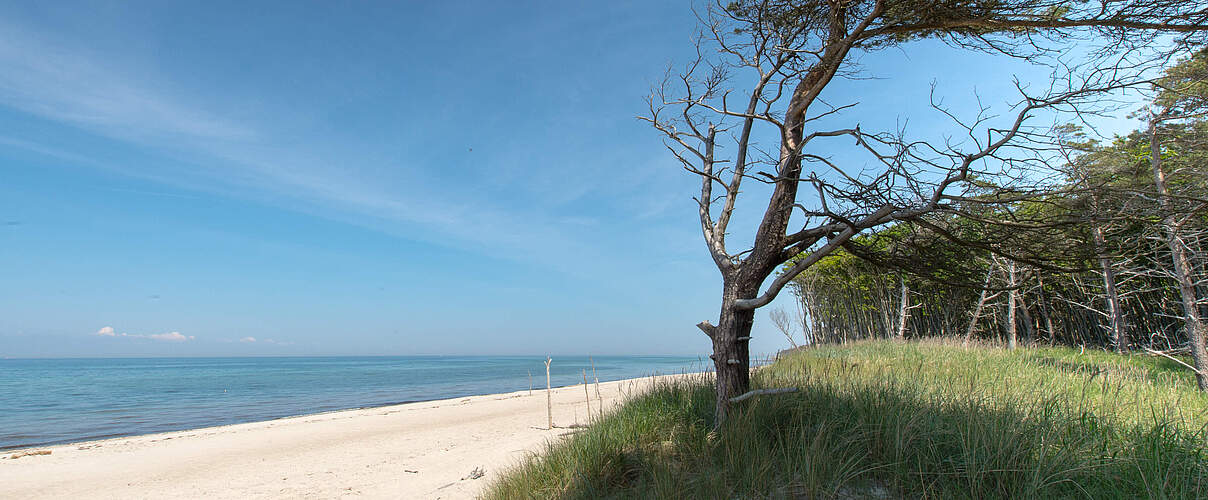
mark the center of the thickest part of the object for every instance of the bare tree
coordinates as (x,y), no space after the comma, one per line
(789,52)
(784,324)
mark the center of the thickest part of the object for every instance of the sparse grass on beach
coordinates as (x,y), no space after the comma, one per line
(885,419)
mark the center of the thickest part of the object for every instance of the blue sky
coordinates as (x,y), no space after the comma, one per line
(218,178)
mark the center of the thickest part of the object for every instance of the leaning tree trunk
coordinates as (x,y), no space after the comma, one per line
(1192,321)
(981,302)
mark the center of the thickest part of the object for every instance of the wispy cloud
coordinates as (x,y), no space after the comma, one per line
(535,214)
(108,331)
(70,83)
(66,82)
(248,340)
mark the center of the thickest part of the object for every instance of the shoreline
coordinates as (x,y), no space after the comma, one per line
(5,451)
(415,449)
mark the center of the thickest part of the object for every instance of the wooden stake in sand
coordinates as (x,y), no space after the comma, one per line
(549,401)
(587,395)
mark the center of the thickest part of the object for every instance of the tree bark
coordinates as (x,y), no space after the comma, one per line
(1192,321)
(731,344)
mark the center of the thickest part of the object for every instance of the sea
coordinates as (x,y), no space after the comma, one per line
(52,401)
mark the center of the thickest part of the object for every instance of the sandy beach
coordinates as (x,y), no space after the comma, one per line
(415,450)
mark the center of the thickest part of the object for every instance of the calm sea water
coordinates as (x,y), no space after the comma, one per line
(47,401)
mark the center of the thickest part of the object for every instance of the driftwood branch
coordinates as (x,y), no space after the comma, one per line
(1172,358)
(761,392)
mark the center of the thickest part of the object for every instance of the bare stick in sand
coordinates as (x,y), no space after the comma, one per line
(587,395)
(599,400)
(549,402)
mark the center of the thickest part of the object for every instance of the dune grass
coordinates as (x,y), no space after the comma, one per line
(884,419)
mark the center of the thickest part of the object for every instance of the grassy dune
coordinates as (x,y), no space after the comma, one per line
(889,419)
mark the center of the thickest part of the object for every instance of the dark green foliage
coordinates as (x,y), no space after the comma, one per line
(987,24)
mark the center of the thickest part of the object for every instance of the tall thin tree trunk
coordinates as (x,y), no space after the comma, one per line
(884,307)
(1114,313)
(903,310)
(1029,330)
(1044,310)
(1192,321)
(1012,298)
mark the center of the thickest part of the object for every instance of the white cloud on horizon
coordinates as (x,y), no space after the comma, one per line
(170,337)
(254,340)
(108,331)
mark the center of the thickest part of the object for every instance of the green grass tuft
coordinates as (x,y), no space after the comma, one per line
(884,419)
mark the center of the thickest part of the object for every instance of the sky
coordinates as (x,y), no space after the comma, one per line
(323,178)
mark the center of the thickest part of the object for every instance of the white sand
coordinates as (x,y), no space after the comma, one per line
(415,450)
